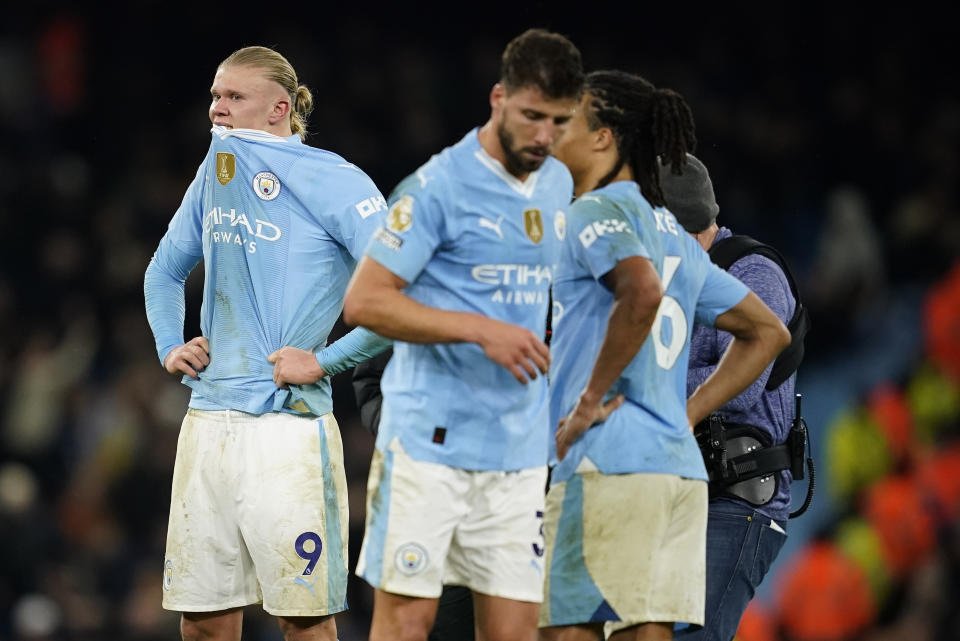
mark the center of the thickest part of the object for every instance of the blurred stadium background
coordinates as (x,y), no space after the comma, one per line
(830,133)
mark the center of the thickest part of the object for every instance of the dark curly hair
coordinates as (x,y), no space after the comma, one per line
(545,60)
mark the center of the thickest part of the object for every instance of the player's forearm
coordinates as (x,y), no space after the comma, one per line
(347,351)
(391,313)
(627,329)
(741,365)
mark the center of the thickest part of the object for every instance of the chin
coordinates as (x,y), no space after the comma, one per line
(532,163)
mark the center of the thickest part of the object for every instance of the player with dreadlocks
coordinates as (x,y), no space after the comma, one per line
(626,512)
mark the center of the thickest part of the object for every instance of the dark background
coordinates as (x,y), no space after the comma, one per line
(830,133)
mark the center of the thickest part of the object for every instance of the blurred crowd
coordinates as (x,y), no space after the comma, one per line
(836,141)
(886,564)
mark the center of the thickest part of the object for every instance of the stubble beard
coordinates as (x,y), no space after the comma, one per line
(516,164)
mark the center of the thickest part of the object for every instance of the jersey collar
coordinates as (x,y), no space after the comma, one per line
(523,187)
(252,134)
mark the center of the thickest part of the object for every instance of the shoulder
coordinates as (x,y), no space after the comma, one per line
(767,280)
(339,176)
(754,262)
(332,162)
(593,204)
(759,272)
(430,180)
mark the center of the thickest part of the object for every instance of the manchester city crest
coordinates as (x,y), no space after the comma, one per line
(411,558)
(533,224)
(267,185)
(560,224)
(226,167)
(168,575)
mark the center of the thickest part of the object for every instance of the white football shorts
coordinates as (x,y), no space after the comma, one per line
(258,513)
(430,524)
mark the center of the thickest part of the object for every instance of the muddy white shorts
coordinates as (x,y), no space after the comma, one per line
(625,549)
(258,513)
(430,524)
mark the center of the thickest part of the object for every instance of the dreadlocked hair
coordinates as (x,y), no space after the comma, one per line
(646,123)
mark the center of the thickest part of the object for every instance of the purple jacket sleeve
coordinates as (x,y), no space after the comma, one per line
(766,280)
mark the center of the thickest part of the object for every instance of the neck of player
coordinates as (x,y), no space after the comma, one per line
(590,178)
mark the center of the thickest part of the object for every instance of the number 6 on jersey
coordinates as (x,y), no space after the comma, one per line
(669,308)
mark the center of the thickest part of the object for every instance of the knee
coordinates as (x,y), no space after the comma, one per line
(190,630)
(198,630)
(211,626)
(402,630)
(308,628)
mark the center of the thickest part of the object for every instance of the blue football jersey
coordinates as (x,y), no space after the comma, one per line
(649,432)
(467,236)
(279,226)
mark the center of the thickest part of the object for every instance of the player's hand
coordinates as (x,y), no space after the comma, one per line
(516,348)
(584,416)
(191,358)
(293,366)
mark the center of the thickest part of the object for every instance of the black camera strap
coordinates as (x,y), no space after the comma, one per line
(762,459)
(725,253)
(757,463)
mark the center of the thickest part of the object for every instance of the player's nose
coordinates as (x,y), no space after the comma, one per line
(546,134)
(219,107)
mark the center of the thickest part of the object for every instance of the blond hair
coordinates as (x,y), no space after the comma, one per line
(279,70)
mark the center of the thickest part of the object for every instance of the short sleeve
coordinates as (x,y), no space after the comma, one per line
(410,234)
(720,293)
(602,235)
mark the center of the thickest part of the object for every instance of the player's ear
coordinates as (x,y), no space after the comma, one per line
(281,110)
(497,95)
(602,138)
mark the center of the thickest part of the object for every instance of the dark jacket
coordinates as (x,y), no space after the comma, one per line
(366,387)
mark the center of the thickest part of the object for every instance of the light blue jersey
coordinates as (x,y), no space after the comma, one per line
(279,226)
(649,432)
(467,236)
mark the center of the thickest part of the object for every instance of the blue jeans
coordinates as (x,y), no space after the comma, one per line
(741,547)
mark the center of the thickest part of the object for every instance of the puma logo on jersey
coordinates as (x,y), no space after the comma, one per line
(485,222)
